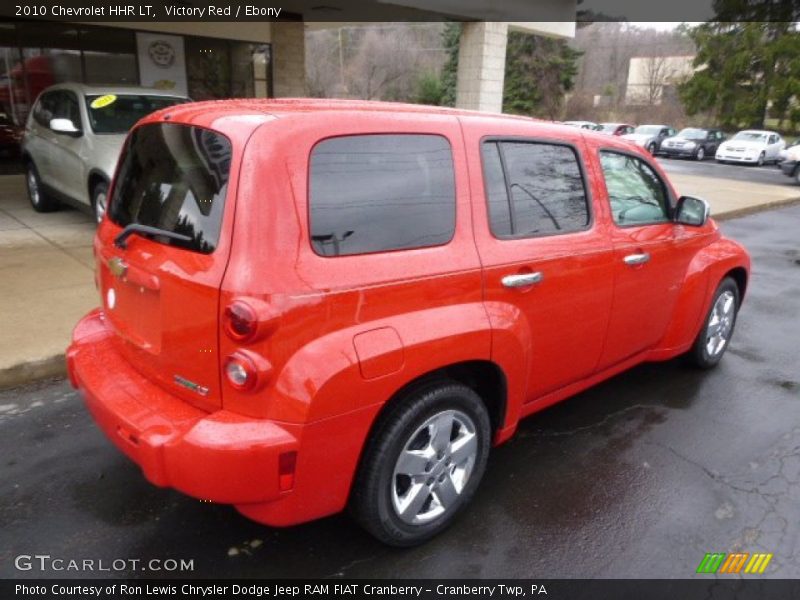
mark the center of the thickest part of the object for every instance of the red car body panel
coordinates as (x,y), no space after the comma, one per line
(338,337)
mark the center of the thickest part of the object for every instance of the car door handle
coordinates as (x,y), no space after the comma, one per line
(636,259)
(522,280)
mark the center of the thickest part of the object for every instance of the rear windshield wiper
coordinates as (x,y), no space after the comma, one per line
(121,240)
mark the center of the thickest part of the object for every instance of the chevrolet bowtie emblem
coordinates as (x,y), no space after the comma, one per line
(117,266)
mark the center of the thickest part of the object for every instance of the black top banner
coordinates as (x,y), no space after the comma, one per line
(402,10)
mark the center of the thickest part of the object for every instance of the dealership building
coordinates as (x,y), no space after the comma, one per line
(207,60)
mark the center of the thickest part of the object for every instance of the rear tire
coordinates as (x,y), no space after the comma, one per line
(797,175)
(40,200)
(651,148)
(411,482)
(715,335)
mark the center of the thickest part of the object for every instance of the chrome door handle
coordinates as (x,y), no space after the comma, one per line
(522,280)
(636,259)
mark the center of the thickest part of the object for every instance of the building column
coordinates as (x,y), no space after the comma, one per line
(289,60)
(481,66)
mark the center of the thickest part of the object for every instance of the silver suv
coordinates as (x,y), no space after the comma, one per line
(73,138)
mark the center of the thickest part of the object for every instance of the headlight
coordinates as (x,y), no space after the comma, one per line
(690,145)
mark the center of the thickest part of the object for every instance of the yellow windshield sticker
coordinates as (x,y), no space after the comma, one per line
(103,101)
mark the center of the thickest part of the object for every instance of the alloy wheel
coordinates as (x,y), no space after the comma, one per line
(99,206)
(33,188)
(720,323)
(434,467)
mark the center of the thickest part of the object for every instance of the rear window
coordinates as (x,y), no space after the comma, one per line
(376,193)
(174,177)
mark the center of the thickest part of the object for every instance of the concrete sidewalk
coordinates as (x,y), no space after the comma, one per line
(46,268)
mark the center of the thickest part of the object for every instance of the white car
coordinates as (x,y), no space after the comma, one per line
(591,125)
(751,146)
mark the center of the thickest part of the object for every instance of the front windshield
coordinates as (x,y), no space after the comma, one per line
(690,133)
(608,127)
(647,129)
(117,113)
(750,136)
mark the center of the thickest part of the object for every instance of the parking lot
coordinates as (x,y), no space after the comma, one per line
(638,477)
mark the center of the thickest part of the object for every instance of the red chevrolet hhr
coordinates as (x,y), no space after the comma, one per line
(312,305)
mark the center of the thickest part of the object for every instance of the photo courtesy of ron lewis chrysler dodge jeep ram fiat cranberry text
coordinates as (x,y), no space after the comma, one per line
(313,305)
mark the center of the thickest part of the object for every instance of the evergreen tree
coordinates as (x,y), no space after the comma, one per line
(747,60)
(539,71)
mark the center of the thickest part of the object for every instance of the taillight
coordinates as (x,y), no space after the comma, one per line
(241,371)
(241,321)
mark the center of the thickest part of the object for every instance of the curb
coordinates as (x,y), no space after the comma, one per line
(56,366)
(32,371)
(750,210)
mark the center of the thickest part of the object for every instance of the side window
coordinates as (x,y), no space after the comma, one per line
(46,108)
(636,193)
(67,108)
(773,139)
(376,193)
(533,189)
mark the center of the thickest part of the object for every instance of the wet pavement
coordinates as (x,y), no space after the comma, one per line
(638,477)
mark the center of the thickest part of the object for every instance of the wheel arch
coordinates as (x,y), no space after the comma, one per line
(484,377)
(96,176)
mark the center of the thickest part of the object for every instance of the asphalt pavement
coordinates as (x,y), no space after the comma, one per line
(638,477)
(767,174)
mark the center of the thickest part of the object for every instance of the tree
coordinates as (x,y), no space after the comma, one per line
(539,71)
(746,61)
(450,38)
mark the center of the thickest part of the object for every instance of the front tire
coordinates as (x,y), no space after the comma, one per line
(761,157)
(40,200)
(797,175)
(422,464)
(715,335)
(99,200)
(700,154)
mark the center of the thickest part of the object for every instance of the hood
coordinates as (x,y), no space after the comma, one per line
(639,138)
(747,144)
(681,139)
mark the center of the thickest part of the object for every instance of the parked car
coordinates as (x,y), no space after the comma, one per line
(790,163)
(784,154)
(650,137)
(73,138)
(752,146)
(693,142)
(319,304)
(615,128)
(592,126)
(10,137)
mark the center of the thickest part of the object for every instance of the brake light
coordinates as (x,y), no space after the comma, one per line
(241,371)
(241,321)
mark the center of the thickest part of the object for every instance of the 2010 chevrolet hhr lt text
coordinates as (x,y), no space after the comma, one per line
(312,305)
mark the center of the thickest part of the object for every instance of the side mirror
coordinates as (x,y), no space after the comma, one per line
(64,126)
(692,211)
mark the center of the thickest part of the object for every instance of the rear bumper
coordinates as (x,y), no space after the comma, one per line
(219,456)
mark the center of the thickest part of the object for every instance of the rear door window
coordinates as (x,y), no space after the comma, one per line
(378,193)
(533,189)
(174,177)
